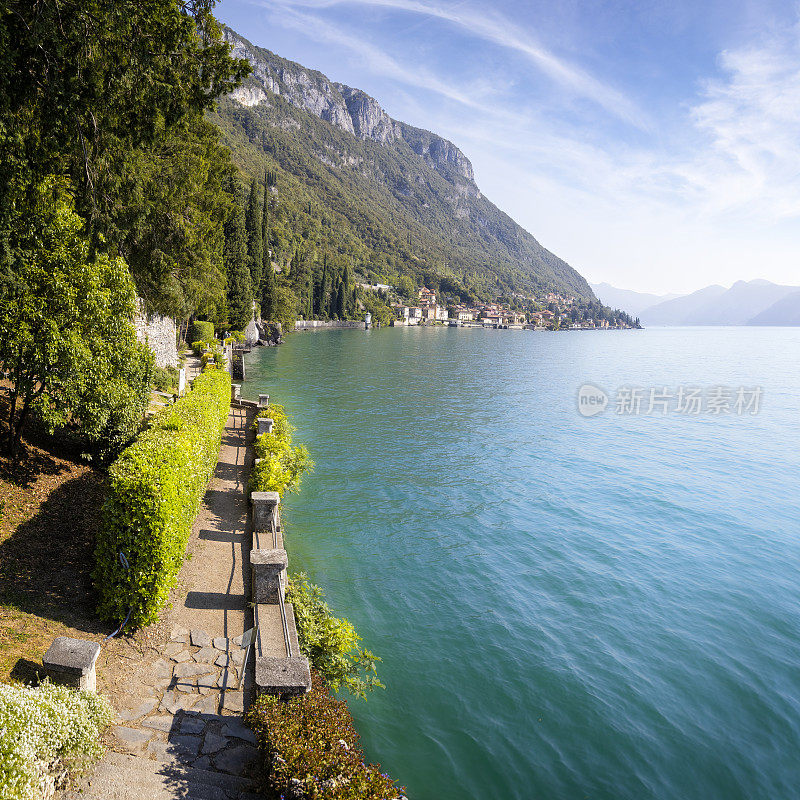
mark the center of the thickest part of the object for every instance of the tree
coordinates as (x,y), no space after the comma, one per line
(112,93)
(341,311)
(268,295)
(255,233)
(240,289)
(287,307)
(173,240)
(67,337)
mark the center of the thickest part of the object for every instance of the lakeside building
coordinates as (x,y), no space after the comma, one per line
(426,296)
(408,315)
(434,313)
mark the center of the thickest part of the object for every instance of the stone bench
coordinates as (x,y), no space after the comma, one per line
(71,662)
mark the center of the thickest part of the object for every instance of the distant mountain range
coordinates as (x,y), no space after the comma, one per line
(632,302)
(391,199)
(756,302)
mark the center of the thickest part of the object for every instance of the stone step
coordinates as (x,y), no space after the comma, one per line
(125,777)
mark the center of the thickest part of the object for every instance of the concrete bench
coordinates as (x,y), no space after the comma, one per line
(71,662)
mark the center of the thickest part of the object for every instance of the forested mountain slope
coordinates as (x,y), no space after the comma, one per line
(386,198)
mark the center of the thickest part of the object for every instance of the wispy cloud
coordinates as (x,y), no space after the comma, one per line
(375,58)
(501,31)
(711,196)
(751,117)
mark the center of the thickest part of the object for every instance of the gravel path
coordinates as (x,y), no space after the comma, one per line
(179,732)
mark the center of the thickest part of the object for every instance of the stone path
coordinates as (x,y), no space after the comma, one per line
(179,732)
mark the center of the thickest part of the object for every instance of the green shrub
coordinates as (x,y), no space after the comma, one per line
(154,492)
(281,466)
(42,726)
(201,330)
(164,379)
(330,643)
(312,739)
(281,428)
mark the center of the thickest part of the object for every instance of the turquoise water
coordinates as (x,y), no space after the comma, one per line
(600,608)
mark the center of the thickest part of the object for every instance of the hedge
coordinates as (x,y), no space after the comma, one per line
(281,466)
(200,329)
(312,749)
(44,731)
(154,493)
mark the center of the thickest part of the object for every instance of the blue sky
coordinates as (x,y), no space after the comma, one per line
(654,144)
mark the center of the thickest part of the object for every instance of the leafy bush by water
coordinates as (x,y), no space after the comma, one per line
(43,727)
(331,643)
(282,466)
(155,489)
(312,749)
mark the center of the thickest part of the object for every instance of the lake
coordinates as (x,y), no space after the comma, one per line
(567,606)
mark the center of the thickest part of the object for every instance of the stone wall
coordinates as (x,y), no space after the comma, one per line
(160,334)
(310,324)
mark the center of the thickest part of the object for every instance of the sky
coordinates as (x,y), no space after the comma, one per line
(652,144)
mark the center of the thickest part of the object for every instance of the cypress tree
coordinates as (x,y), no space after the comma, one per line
(341,312)
(268,297)
(267,288)
(265,237)
(255,245)
(333,298)
(239,293)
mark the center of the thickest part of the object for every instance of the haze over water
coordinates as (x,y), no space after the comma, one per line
(600,608)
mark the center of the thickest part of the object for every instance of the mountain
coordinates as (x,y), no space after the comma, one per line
(715,305)
(678,310)
(785,312)
(387,197)
(632,302)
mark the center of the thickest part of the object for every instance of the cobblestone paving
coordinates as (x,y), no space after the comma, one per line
(179,730)
(194,707)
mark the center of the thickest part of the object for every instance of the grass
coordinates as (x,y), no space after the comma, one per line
(50,513)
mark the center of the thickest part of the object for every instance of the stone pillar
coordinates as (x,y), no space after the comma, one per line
(263,400)
(267,566)
(236,392)
(264,425)
(265,509)
(284,677)
(72,662)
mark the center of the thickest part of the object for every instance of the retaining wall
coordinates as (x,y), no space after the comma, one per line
(311,324)
(159,334)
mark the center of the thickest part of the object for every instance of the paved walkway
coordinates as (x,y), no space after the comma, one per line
(179,733)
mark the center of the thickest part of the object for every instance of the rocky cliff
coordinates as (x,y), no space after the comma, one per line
(349,109)
(390,198)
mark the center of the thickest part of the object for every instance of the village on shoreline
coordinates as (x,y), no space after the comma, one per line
(550,312)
